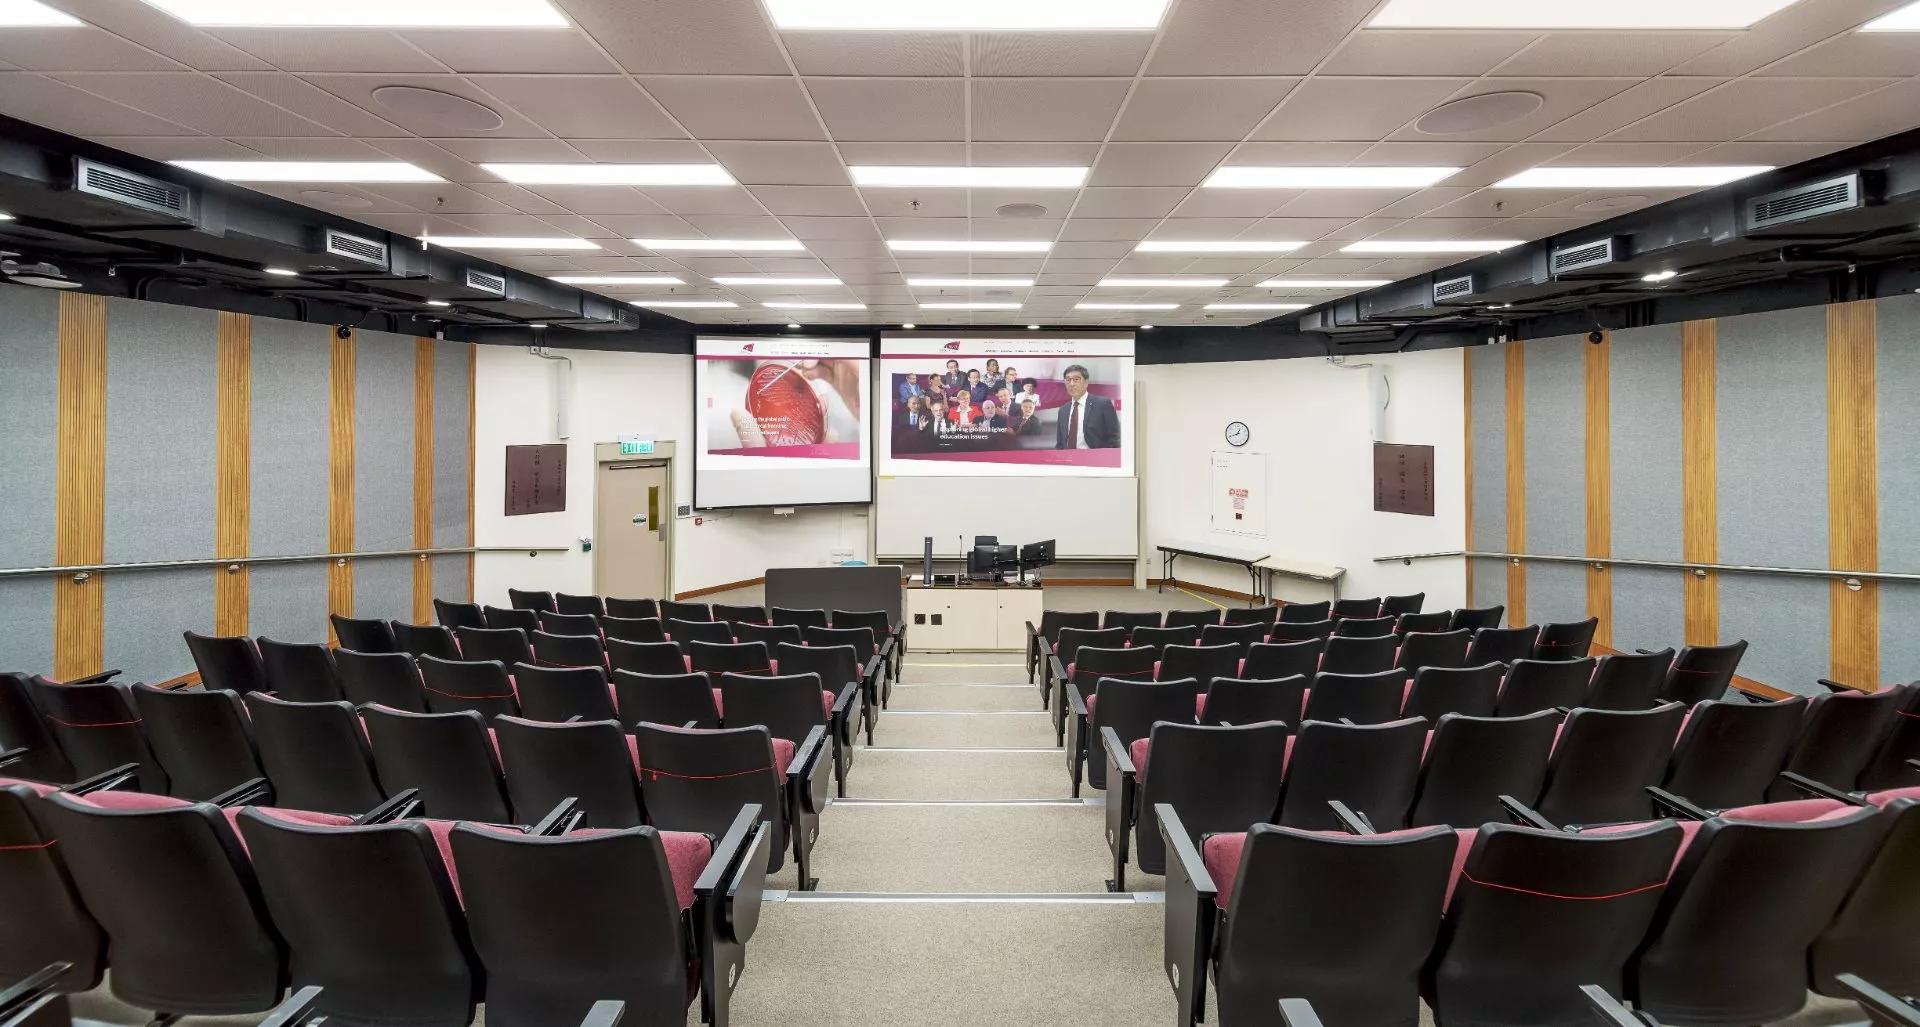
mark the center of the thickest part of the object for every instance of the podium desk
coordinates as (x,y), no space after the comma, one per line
(973,617)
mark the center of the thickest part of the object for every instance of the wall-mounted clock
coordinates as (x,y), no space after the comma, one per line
(1238,433)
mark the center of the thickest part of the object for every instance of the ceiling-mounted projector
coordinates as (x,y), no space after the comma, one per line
(41,275)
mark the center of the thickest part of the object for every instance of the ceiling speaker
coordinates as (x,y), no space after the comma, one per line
(1474,113)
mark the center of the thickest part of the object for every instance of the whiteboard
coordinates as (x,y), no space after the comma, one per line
(1090,517)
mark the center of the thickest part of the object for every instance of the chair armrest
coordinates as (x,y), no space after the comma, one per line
(844,700)
(575,719)
(690,725)
(1183,854)
(1190,915)
(9,757)
(1752,697)
(19,996)
(400,807)
(94,679)
(1298,1012)
(1351,821)
(244,794)
(1644,652)
(1117,752)
(1677,805)
(1835,686)
(1525,815)
(872,669)
(1053,663)
(563,817)
(1608,1010)
(105,781)
(1913,764)
(1076,704)
(803,773)
(731,885)
(1820,790)
(1896,1010)
(299,1009)
(605,1013)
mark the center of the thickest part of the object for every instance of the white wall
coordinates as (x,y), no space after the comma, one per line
(618,394)
(1311,419)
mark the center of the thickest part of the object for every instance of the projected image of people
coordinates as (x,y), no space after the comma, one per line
(1050,410)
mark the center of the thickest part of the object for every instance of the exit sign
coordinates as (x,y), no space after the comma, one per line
(636,447)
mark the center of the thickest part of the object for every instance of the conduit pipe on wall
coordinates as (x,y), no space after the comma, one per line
(563,392)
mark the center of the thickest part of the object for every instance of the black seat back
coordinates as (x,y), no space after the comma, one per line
(686,632)
(1710,910)
(1420,649)
(1841,732)
(1603,762)
(1395,606)
(478,685)
(713,658)
(788,705)
(1130,620)
(1425,623)
(1362,608)
(738,615)
(697,780)
(645,657)
(370,915)
(1587,899)
(1358,655)
(1370,767)
(1159,638)
(1302,631)
(425,640)
(1477,619)
(200,739)
(1239,635)
(300,671)
(1503,645)
(837,665)
(1365,627)
(862,639)
(587,760)
(798,618)
(1255,700)
(1190,618)
(459,615)
(1730,751)
(1472,761)
(555,694)
(1361,698)
(506,646)
(499,618)
(569,650)
(1305,613)
(1219,779)
(1265,615)
(1566,641)
(591,605)
(1272,660)
(45,920)
(1469,691)
(1091,664)
(390,679)
(315,754)
(1872,935)
(1891,765)
(1702,672)
(672,611)
(569,623)
(525,600)
(447,756)
(98,729)
(1535,685)
(1051,621)
(768,635)
(22,726)
(1628,681)
(363,634)
(1068,644)
(1203,662)
(876,621)
(227,662)
(1131,708)
(671,699)
(633,629)
(633,609)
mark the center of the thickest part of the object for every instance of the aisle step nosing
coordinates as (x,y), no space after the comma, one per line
(1054,749)
(964,803)
(972,898)
(968,713)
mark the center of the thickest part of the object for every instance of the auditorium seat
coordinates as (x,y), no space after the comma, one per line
(569,623)
(1536,914)
(525,600)
(1702,672)
(674,699)
(568,650)
(45,920)
(716,658)
(1342,921)
(1372,768)
(425,640)
(790,706)
(370,914)
(1305,613)
(633,609)
(25,734)
(1472,761)
(1238,635)
(592,606)
(1730,751)
(459,615)
(315,755)
(200,738)
(557,694)
(1603,762)
(1272,660)
(1358,655)
(1364,627)
(645,917)
(1839,736)
(644,657)
(1477,619)
(363,634)
(1566,641)
(1216,778)
(633,629)
(1190,618)
(808,618)
(686,632)
(768,635)
(1254,701)
(837,667)
(1876,932)
(300,671)
(1892,763)
(1628,681)
(390,679)
(227,662)
(448,757)
(98,729)
(1048,632)
(1362,609)
(698,780)
(1397,606)
(453,686)
(1360,698)
(1534,685)
(505,645)
(1128,708)
(1129,621)
(588,761)
(1434,623)
(890,636)
(1159,638)
(498,618)
(1468,691)
(1262,615)
(1421,649)
(1503,645)
(672,611)
(1091,665)
(1203,662)
(1067,646)
(1302,631)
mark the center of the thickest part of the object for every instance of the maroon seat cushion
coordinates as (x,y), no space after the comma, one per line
(38,788)
(1139,750)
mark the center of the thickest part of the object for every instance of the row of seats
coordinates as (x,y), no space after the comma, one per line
(37,1002)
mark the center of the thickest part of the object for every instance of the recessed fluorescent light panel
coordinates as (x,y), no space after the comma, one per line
(967,178)
(969,246)
(509,242)
(1565,14)
(612,174)
(4,216)
(971,283)
(1324,283)
(389,14)
(749,280)
(617,280)
(1906,19)
(1325,178)
(25,14)
(1430,246)
(804,305)
(972,16)
(308,171)
(1163,283)
(684,304)
(1697,177)
(1126,306)
(725,245)
(969,306)
(1218,246)
(1258,306)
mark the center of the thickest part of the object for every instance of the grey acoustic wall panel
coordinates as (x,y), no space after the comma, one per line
(29,419)
(1556,592)
(1489,584)
(1644,410)
(450,579)
(145,613)
(1788,627)
(161,399)
(288,602)
(1649,608)
(289,441)
(1489,382)
(26,625)
(383,588)
(1556,451)
(1899,451)
(451,413)
(382,445)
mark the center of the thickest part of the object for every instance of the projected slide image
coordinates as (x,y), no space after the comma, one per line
(782,421)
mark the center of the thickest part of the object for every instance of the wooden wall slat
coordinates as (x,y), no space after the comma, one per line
(1699,478)
(423,478)
(1599,368)
(233,429)
(473,393)
(1853,488)
(1466,403)
(80,484)
(340,476)
(1516,480)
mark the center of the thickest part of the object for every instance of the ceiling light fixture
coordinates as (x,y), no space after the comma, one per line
(725,245)
(4,216)
(365,13)
(1431,245)
(536,324)
(683,304)
(934,177)
(909,325)
(1906,19)
(1660,276)
(1146,328)
(1615,14)
(24,14)
(1258,306)
(969,245)
(611,174)
(1325,178)
(280,272)
(793,324)
(975,16)
(971,283)
(1325,283)
(308,171)
(1677,177)
(510,242)
(1162,283)
(1126,306)
(969,306)
(1218,246)
(809,305)
(1033,328)
(750,280)
(617,280)
(438,303)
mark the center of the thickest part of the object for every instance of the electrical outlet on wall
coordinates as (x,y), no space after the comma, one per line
(683,511)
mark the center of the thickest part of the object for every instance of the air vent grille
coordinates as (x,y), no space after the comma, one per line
(1453,289)
(491,284)
(1577,258)
(1803,202)
(134,190)
(353,247)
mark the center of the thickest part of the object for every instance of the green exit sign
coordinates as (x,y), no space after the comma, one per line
(636,447)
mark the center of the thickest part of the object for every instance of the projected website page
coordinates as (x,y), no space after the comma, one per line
(781,422)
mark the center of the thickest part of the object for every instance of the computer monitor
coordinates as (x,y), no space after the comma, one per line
(980,561)
(1006,558)
(1035,555)
(986,540)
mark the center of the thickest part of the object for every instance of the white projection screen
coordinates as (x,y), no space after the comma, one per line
(781,421)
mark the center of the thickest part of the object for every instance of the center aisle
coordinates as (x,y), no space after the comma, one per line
(959,885)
